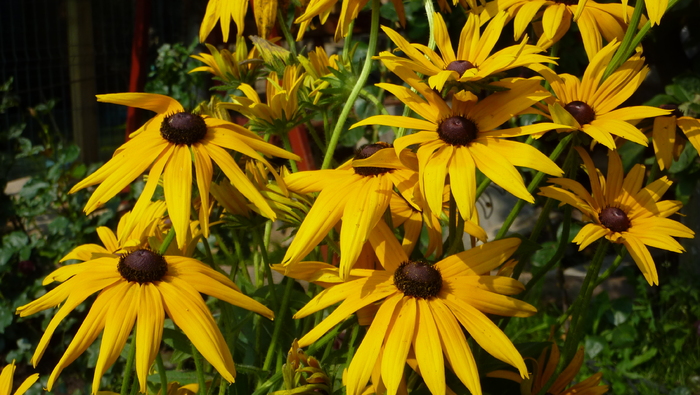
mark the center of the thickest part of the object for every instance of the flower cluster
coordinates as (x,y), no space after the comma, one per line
(391,237)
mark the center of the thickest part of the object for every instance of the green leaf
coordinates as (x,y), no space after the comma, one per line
(594,345)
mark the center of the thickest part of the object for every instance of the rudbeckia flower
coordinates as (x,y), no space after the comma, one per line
(473,60)
(170,144)
(666,144)
(622,211)
(317,66)
(591,104)
(223,11)
(545,367)
(235,67)
(349,12)
(456,140)
(281,113)
(595,20)
(423,309)
(357,195)
(6,378)
(137,287)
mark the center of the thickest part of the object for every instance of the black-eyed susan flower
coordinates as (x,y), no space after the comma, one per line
(596,21)
(623,212)
(473,60)
(545,367)
(667,145)
(590,104)
(237,67)
(137,288)
(318,65)
(357,195)
(456,140)
(170,144)
(289,207)
(423,309)
(223,11)
(281,113)
(6,379)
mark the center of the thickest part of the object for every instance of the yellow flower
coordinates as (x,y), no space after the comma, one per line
(290,208)
(137,287)
(666,145)
(422,309)
(545,366)
(357,195)
(6,378)
(457,140)
(317,66)
(595,20)
(169,144)
(239,66)
(223,11)
(349,11)
(281,112)
(622,211)
(590,104)
(473,60)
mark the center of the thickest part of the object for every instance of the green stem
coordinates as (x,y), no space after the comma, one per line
(625,48)
(266,262)
(288,146)
(558,254)
(315,137)
(361,80)
(534,184)
(374,100)
(347,42)
(430,11)
(199,365)
(162,375)
(129,368)
(279,320)
(584,297)
(166,243)
(482,187)
(613,267)
(291,43)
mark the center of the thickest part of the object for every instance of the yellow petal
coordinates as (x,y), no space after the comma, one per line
(455,346)
(426,343)
(486,333)
(366,356)
(480,259)
(398,342)
(188,311)
(149,330)
(640,253)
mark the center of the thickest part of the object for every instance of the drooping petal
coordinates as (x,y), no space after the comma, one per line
(188,311)
(149,330)
(397,343)
(486,333)
(426,343)
(366,356)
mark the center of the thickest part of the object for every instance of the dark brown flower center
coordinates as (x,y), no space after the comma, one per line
(418,279)
(457,130)
(460,66)
(365,152)
(183,128)
(142,266)
(675,111)
(582,112)
(614,219)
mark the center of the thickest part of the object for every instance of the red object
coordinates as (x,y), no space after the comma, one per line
(139,56)
(299,139)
